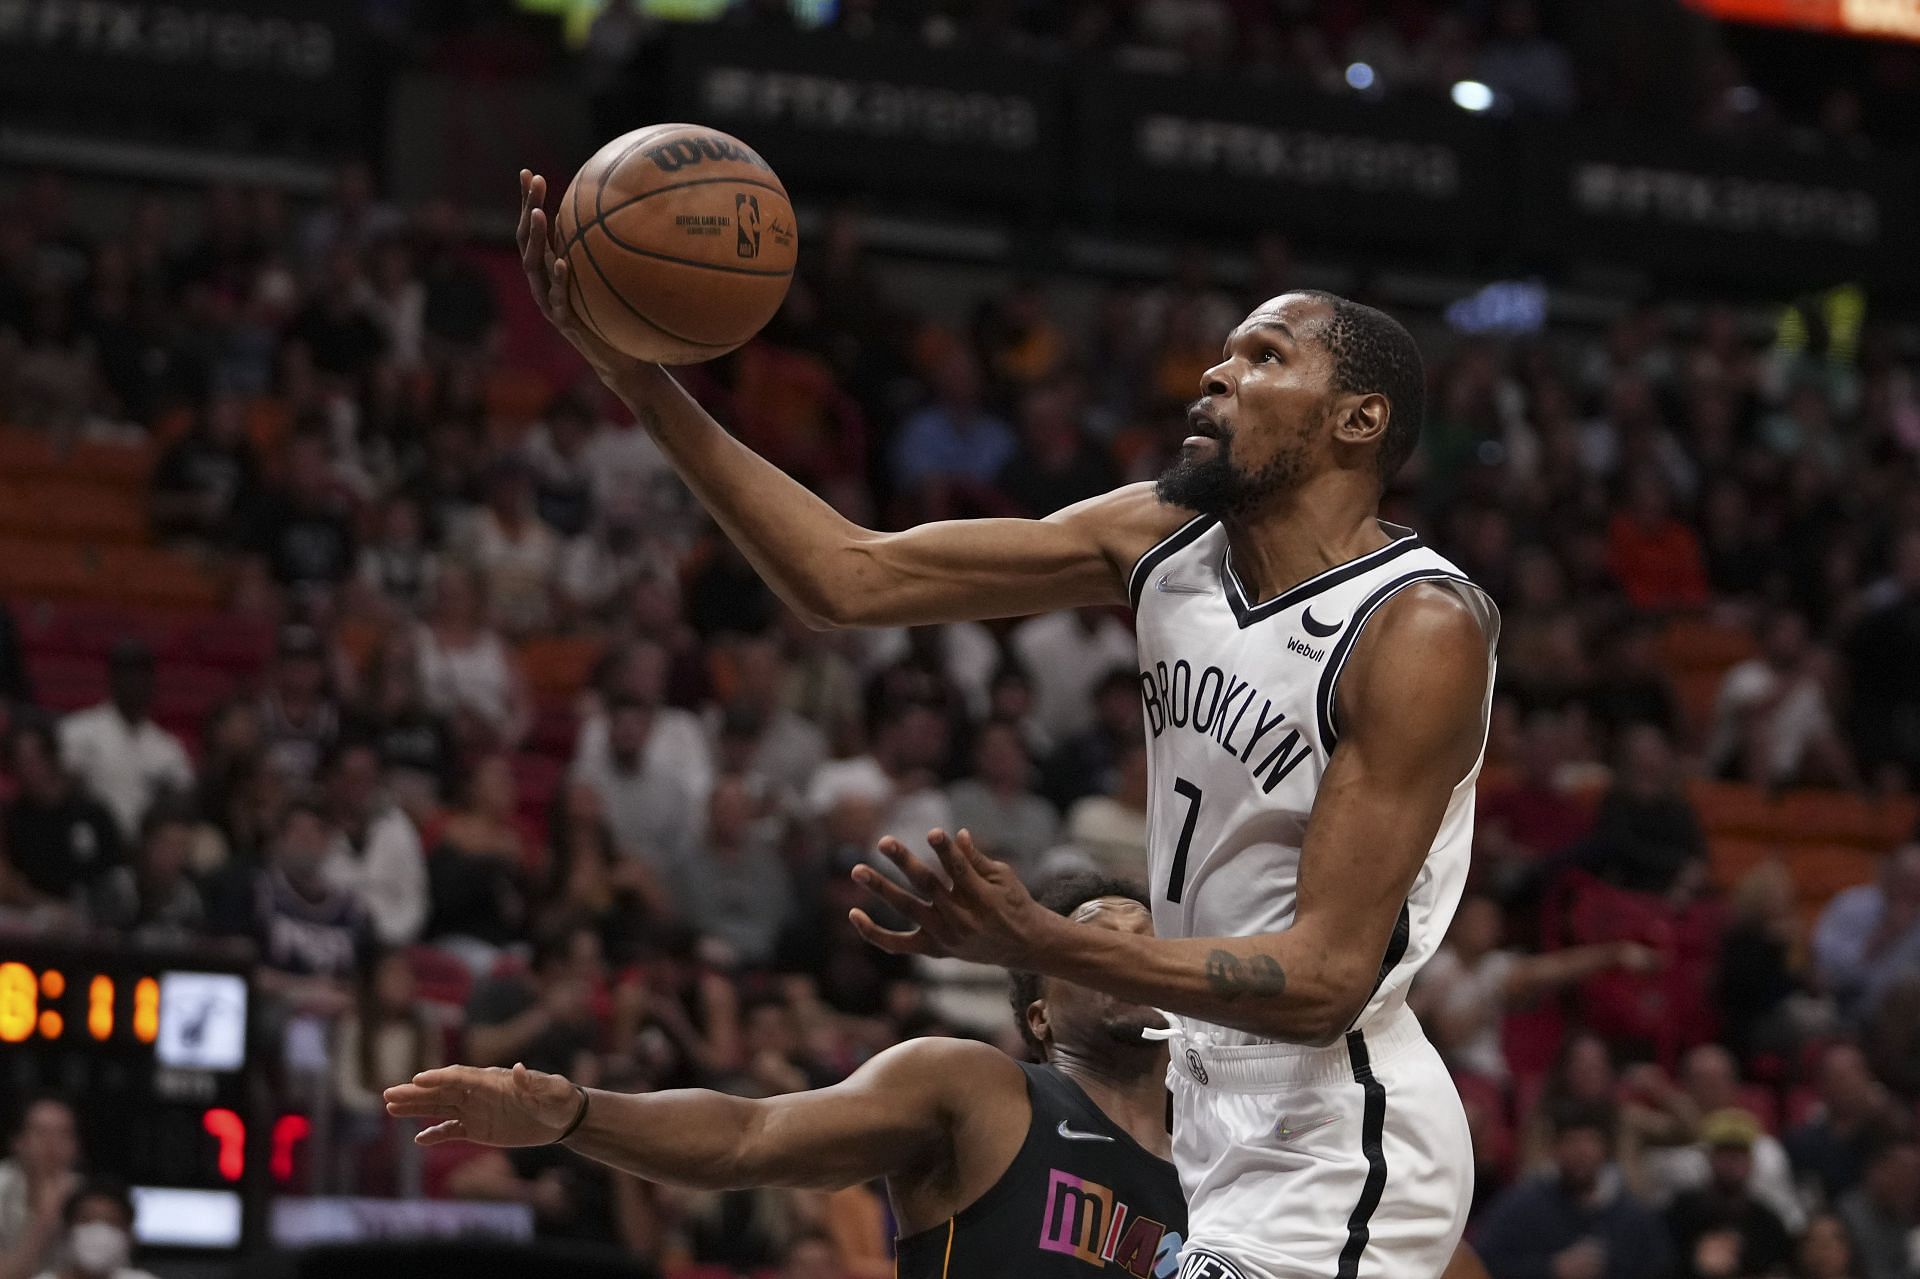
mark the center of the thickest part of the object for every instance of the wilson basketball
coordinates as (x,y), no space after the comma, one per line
(680,243)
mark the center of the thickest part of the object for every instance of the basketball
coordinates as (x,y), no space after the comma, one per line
(680,243)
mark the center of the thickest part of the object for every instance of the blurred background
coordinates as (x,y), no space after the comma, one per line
(374,697)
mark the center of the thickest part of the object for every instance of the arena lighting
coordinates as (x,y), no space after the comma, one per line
(1360,76)
(1889,19)
(1471,95)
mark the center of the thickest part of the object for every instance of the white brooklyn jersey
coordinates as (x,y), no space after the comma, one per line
(1241,718)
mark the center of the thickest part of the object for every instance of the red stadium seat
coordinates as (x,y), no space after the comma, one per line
(1830,817)
(67,683)
(238,644)
(1763,1104)
(438,977)
(1731,808)
(1699,644)
(187,694)
(1730,857)
(558,667)
(1821,870)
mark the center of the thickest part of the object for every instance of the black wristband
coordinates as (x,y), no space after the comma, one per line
(578,1119)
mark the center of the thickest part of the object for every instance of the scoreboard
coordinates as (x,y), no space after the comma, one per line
(156,1051)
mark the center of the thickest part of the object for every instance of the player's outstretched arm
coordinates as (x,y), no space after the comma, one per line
(893,1115)
(1410,718)
(827,569)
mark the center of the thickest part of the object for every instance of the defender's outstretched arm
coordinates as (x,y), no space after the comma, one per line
(893,1115)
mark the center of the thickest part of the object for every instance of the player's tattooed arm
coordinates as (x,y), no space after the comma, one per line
(1410,716)
(1233,978)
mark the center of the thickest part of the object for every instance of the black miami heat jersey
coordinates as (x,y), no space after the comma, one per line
(1080,1200)
(1241,717)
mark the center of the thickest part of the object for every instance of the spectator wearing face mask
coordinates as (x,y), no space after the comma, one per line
(99,1220)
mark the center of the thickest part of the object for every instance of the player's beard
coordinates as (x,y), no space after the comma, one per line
(1122,1033)
(1213,485)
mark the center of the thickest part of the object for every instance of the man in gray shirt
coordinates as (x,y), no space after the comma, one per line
(997,804)
(1883,1212)
(652,816)
(736,887)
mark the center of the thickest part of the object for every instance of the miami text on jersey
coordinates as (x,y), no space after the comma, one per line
(1085,1220)
(1215,706)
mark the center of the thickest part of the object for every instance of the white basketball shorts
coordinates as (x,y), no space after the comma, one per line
(1345,1162)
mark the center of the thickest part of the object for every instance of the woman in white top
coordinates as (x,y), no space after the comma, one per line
(466,669)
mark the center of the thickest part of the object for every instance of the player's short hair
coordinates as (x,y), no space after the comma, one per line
(1063,895)
(1373,352)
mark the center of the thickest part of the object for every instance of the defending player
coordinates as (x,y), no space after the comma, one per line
(995,1169)
(1316,687)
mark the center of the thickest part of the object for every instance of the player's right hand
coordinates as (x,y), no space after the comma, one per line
(547,277)
(491,1106)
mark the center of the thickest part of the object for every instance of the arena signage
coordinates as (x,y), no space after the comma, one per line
(874,115)
(1248,156)
(1712,209)
(266,57)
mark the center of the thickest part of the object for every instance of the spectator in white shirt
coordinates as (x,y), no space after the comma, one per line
(121,755)
(467,671)
(677,742)
(899,778)
(787,747)
(1464,992)
(1067,654)
(515,553)
(1773,724)
(36,1179)
(653,816)
(375,853)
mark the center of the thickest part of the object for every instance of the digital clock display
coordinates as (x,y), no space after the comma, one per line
(45,1004)
(153,1050)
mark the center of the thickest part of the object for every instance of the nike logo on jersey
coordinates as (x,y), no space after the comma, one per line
(1286,1132)
(1319,630)
(1072,1135)
(1171,587)
(1297,645)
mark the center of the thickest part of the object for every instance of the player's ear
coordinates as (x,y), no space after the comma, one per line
(1361,419)
(1037,1021)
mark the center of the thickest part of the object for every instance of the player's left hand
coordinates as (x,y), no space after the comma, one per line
(980,911)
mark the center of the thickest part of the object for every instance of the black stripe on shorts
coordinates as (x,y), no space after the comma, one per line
(1373,1121)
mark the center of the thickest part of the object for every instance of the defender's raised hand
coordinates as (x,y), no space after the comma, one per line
(492,1106)
(980,911)
(547,277)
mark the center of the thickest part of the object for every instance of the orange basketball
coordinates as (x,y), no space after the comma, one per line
(680,243)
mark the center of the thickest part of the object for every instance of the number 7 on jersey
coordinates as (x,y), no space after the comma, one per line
(1177,877)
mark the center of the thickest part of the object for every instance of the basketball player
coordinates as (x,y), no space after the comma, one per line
(995,1169)
(1316,685)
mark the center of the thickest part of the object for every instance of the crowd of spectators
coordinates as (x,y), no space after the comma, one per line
(645,885)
